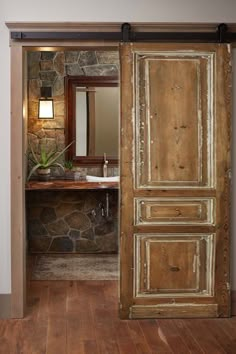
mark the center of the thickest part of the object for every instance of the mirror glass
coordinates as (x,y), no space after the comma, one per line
(92,118)
(97,121)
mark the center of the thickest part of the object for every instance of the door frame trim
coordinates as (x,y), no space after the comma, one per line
(18,133)
(233,303)
(5,306)
(17,186)
(19,124)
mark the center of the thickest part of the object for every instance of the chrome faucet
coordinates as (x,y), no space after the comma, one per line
(105,165)
(105,209)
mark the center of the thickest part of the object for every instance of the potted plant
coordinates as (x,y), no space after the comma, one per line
(45,161)
(68,166)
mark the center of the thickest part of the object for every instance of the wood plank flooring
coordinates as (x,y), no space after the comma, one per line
(69,317)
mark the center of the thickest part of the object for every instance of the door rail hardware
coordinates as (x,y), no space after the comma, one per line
(126,34)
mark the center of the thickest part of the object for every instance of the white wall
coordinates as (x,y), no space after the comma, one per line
(79,11)
(120,10)
(5,279)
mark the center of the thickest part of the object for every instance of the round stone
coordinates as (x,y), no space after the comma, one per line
(77,220)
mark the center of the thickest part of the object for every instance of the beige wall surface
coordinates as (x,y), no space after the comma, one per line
(216,11)
(106,118)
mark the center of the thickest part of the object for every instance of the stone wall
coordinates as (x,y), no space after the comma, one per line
(71,222)
(49,69)
(66,221)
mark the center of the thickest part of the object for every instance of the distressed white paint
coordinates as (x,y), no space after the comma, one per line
(79,11)
(148,239)
(205,214)
(144,164)
(173,310)
(233,181)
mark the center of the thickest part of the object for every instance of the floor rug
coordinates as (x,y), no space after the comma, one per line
(75,267)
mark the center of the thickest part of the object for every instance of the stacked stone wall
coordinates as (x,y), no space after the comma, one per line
(65,221)
(71,222)
(50,69)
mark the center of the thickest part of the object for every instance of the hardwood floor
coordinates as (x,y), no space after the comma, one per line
(81,318)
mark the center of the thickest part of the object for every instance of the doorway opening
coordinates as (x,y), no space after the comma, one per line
(158,194)
(72,214)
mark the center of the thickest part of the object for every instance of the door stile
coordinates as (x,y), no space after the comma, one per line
(126,181)
(223,172)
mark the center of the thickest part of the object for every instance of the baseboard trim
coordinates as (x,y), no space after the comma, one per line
(5,306)
(233,302)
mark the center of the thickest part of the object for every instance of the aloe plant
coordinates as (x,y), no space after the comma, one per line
(46,160)
(68,165)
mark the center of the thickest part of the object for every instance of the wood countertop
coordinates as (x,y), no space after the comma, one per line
(59,184)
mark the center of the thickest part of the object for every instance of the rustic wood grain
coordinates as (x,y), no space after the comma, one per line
(173,121)
(57,338)
(187,337)
(70,185)
(127,183)
(95,326)
(208,342)
(171,335)
(155,338)
(223,148)
(175,142)
(138,337)
(123,338)
(233,303)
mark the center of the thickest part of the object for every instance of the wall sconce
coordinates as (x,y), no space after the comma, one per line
(46,110)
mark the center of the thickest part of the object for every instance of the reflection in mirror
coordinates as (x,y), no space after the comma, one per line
(92,118)
(81,111)
(97,121)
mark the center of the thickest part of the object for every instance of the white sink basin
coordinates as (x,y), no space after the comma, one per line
(102,179)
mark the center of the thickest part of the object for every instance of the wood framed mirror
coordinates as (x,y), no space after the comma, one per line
(92,119)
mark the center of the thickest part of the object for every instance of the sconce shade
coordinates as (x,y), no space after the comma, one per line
(46,110)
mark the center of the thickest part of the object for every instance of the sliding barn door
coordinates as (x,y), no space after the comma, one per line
(175,160)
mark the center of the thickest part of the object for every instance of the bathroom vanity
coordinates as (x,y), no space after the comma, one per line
(74,216)
(59,184)
(67,216)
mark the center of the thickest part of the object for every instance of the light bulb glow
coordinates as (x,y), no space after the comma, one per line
(46,109)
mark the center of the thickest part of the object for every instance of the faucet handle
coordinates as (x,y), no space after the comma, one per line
(105,158)
(101,206)
(105,165)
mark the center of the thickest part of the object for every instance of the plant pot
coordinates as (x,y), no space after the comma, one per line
(43,173)
(69,174)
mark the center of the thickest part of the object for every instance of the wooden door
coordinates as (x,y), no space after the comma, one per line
(175,160)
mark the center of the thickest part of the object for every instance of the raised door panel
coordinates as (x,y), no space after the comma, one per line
(174,265)
(174,211)
(175,188)
(174,117)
